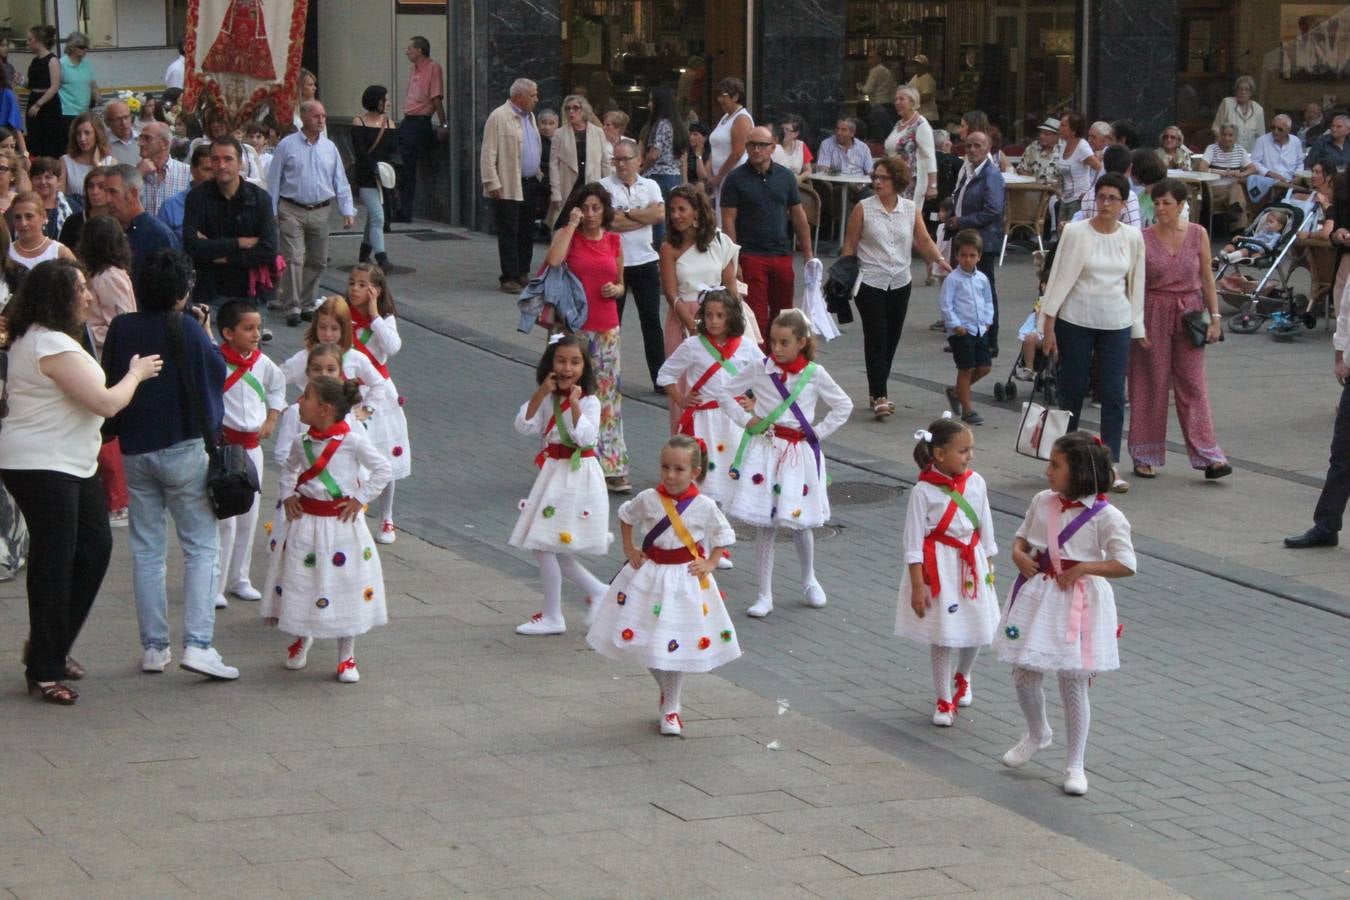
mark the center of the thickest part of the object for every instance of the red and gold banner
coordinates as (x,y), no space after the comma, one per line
(244,54)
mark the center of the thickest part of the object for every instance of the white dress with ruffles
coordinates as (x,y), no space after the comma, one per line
(568,509)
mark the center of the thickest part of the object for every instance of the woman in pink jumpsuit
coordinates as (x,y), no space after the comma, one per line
(1178,280)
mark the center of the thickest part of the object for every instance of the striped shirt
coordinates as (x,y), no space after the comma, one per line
(1237,158)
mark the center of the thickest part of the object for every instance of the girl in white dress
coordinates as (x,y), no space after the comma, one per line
(947,597)
(778,468)
(567,511)
(693,376)
(1061,614)
(663,610)
(324,580)
(375,336)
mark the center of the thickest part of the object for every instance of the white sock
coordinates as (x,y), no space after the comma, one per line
(551,575)
(942,671)
(1031,698)
(579,575)
(385,502)
(966,660)
(1073,689)
(660,676)
(805,542)
(674,684)
(764,545)
(346,648)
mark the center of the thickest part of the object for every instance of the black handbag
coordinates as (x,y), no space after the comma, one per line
(1196,323)
(231,478)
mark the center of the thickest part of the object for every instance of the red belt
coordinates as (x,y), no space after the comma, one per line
(246,439)
(561,451)
(669,557)
(315,507)
(791,435)
(686,424)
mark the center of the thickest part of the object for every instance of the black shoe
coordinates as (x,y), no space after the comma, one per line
(266,335)
(364,255)
(293,319)
(382,260)
(307,315)
(1315,536)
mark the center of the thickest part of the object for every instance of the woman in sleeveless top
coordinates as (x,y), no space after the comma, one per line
(373,139)
(1178,280)
(728,138)
(30,245)
(88,147)
(46,127)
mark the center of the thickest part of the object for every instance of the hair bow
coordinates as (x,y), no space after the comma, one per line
(923,434)
(555,337)
(709,288)
(946,414)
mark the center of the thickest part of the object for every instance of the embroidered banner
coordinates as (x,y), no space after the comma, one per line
(244,54)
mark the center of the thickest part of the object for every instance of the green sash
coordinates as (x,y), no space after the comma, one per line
(764,424)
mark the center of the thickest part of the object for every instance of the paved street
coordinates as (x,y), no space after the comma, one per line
(473,761)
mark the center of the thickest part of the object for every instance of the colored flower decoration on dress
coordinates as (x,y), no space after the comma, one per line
(367,553)
(778,489)
(704,643)
(726,636)
(705,609)
(565,537)
(521,505)
(1013,632)
(397,451)
(267,527)
(796,514)
(656,610)
(321,603)
(278,590)
(953,608)
(756,479)
(626,634)
(369,594)
(310,560)
(621,597)
(548,512)
(339,559)
(672,646)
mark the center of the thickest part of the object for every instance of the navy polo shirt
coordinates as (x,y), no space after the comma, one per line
(762,201)
(146,235)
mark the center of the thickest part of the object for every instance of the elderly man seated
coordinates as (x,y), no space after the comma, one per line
(1041,160)
(1275,158)
(843,153)
(1231,161)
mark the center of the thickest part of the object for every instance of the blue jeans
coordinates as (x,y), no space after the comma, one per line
(1077,345)
(172,479)
(667,183)
(372,198)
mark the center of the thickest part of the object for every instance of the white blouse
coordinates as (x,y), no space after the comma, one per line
(585,431)
(1097,280)
(1105,536)
(696,269)
(244,409)
(928,504)
(708,527)
(375,388)
(691,359)
(885,246)
(820,387)
(355,457)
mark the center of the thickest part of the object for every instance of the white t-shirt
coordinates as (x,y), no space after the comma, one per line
(173,75)
(46,428)
(637,244)
(1081,175)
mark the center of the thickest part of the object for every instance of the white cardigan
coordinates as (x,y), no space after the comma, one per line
(1074,291)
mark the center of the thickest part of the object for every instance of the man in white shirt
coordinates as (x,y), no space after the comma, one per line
(121,133)
(173,75)
(1275,158)
(637,207)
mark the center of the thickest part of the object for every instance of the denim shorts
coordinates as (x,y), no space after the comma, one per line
(969,351)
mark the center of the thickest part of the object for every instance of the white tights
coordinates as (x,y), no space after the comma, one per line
(552,568)
(805,542)
(346,649)
(1073,690)
(943,675)
(385,502)
(670,683)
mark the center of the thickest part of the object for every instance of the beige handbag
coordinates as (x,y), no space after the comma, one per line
(1039,429)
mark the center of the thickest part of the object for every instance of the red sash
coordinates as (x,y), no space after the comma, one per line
(726,351)
(360,321)
(337,433)
(316,507)
(247,439)
(664,557)
(560,451)
(939,535)
(242,365)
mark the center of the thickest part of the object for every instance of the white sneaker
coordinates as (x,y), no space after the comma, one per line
(347,672)
(814,594)
(1075,782)
(761,608)
(1120,486)
(672,724)
(221,602)
(297,654)
(206,661)
(119,518)
(539,625)
(155,661)
(245,591)
(968,697)
(1022,752)
(943,719)
(386,535)
(725,562)
(1022,373)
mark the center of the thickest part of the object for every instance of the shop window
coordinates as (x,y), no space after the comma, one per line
(108,23)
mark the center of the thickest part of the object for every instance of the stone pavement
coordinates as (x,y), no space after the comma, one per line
(473,762)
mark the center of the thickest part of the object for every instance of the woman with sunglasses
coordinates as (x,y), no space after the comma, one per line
(576,154)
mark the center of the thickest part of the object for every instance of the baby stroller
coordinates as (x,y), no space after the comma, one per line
(1042,373)
(1259,288)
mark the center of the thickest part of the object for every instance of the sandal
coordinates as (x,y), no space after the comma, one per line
(881,408)
(618,485)
(1145,472)
(57,692)
(74,671)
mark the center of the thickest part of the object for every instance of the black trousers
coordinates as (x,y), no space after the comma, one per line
(1336,490)
(989,265)
(883,318)
(70,544)
(415,137)
(645,283)
(515,235)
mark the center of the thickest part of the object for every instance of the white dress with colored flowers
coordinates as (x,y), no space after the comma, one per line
(324,579)
(779,483)
(388,426)
(954,619)
(658,616)
(687,365)
(568,509)
(1035,627)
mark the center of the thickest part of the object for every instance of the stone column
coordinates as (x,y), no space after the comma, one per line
(800,63)
(1130,38)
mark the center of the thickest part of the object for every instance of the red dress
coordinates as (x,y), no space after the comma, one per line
(241,48)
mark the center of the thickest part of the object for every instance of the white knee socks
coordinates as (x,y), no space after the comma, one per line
(764,547)
(1031,698)
(346,648)
(805,542)
(1073,689)
(579,575)
(671,684)
(942,673)
(551,575)
(385,502)
(966,661)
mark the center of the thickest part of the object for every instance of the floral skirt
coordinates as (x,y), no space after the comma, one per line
(610,448)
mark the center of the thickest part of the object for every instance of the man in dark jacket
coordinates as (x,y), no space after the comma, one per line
(230,232)
(979,204)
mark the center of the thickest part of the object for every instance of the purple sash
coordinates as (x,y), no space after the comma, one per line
(1043,558)
(808,433)
(660,528)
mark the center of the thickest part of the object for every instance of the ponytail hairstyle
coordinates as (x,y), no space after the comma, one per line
(587,381)
(319,351)
(698,452)
(334,308)
(795,320)
(341,395)
(939,433)
(378,280)
(735,311)
(1091,469)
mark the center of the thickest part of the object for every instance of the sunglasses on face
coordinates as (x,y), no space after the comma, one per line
(572,108)
(758,145)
